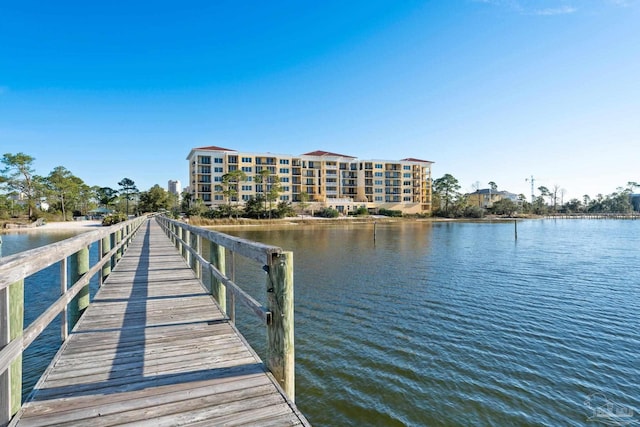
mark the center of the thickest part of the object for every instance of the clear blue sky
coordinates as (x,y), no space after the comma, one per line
(490,90)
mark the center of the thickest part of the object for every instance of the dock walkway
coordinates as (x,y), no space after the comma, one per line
(153,349)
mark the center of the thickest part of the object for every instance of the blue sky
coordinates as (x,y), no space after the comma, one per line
(490,90)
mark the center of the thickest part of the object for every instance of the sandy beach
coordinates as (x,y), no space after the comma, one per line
(53,226)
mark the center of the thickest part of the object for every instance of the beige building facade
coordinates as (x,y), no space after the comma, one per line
(333,180)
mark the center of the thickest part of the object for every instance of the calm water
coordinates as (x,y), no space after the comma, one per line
(41,290)
(458,323)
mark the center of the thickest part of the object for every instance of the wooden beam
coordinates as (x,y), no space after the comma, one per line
(280,333)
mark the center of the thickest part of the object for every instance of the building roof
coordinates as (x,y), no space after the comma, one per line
(411,159)
(321,153)
(213,148)
(496,192)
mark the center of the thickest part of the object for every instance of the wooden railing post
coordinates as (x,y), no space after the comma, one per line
(218,290)
(78,266)
(280,345)
(118,240)
(186,236)
(195,244)
(11,326)
(179,240)
(64,315)
(105,249)
(232,296)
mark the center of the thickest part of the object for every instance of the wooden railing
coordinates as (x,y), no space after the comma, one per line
(72,254)
(278,313)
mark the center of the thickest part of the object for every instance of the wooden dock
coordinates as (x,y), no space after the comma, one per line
(154,349)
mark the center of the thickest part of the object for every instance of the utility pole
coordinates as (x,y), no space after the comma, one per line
(532,185)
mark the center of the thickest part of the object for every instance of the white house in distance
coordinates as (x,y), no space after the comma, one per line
(333,180)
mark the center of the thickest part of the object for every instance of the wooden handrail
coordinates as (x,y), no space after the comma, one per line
(278,266)
(15,268)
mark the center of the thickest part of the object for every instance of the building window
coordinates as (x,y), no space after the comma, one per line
(218,170)
(247,160)
(407,175)
(284,161)
(378,165)
(218,160)
(379,190)
(285,179)
(378,198)
(205,160)
(247,169)
(233,159)
(379,174)
(284,170)
(406,167)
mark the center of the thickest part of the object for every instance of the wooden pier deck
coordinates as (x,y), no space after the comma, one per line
(153,349)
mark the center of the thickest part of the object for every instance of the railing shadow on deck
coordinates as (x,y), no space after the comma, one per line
(278,314)
(72,255)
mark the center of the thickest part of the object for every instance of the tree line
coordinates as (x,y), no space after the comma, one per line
(24,193)
(449,202)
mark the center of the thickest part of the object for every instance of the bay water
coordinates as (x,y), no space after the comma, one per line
(429,323)
(440,324)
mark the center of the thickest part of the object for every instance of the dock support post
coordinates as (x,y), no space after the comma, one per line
(105,249)
(218,290)
(280,336)
(195,245)
(11,326)
(186,236)
(64,315)
(78,266)
(118,240)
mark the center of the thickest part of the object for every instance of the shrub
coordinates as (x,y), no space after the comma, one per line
(113,219)
(362,211)
(328,213)
(389,212)
(473,212)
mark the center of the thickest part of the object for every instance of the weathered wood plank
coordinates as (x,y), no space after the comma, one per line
(154,349)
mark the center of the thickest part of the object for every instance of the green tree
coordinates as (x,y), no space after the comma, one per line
(18,175)
(230,183)
(128,189)
(106,196)
(274,191)
(544,192)
(186,201)
(154,200)
(446,188)
(304,202)
(261,179)
(504,207)
(65,187)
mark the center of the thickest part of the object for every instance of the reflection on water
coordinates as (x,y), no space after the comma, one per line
(446,323)
(459,323)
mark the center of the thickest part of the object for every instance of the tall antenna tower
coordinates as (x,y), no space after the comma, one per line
(532,185)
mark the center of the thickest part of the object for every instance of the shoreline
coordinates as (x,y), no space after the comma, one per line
(86,225)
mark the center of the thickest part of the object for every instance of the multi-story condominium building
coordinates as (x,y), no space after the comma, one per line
(342,182)
(174,187)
